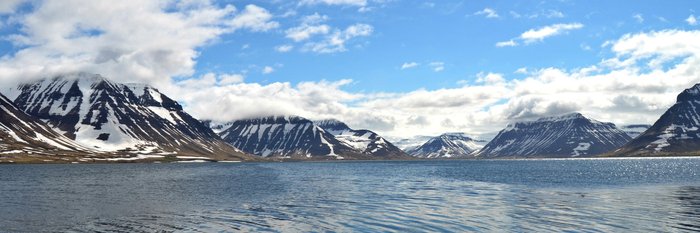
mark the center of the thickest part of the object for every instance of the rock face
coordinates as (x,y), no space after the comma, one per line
(676,132)
(24,134)
(364,141)
(571,135)
(449,145)
(109,116)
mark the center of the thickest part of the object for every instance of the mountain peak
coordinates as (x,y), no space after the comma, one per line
(689,94)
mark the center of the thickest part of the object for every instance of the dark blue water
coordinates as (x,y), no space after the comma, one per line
(598,195)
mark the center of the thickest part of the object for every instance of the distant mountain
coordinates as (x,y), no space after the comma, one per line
(407,144)
(24,135)
(449,145)
(286,136)
(109,116)
(362,140)
(635,130)
(676,132)
(571,135)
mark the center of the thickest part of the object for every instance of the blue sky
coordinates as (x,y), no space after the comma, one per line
(450,32)
(401,68)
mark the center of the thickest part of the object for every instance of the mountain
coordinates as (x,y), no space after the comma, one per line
(407,144)
(23,136)
(109,116)
(448,145)
(365,141)
(284,136)
(570,135)
(676,132)
(635,130)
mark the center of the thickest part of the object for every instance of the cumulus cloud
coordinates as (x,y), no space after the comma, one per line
(147,42)
(487,12)
(639,18)
(409,65)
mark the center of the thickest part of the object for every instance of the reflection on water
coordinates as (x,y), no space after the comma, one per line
(533,196)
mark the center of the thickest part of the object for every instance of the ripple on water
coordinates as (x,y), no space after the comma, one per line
(449,196)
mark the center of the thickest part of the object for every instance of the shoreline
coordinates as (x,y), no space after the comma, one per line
(194,159)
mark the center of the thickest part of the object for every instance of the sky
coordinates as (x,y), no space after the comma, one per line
(401,68)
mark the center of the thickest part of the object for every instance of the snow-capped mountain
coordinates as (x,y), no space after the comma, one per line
(570,135)
(407,144)
(286,136)
(109,116)
(21,134)
(362,140)
(448,145)
(635,130)
(676,132)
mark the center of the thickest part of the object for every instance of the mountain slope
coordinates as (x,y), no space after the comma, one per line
(109,116)
(286,136)
(365,141)
(676,132)
(570,135)
(448,145)
(24,135)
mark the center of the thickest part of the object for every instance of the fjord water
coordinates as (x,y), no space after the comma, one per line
(596,195)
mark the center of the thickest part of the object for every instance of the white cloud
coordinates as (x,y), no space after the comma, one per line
(488,13)
(152,42)
(284,48)
(268,70)
(692,20)
(408,65)
(633,91)
(508,43)
(639,18)
(490,78)
(147,42)
(437,66)
(521,70)
(311,25)
(534,35)
(9,6)
(254,18)
(336,41)
(539,34)
(228,79)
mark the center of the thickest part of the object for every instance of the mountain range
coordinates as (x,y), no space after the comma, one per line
(86,117)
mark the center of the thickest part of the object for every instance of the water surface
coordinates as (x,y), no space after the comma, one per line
(591,195)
